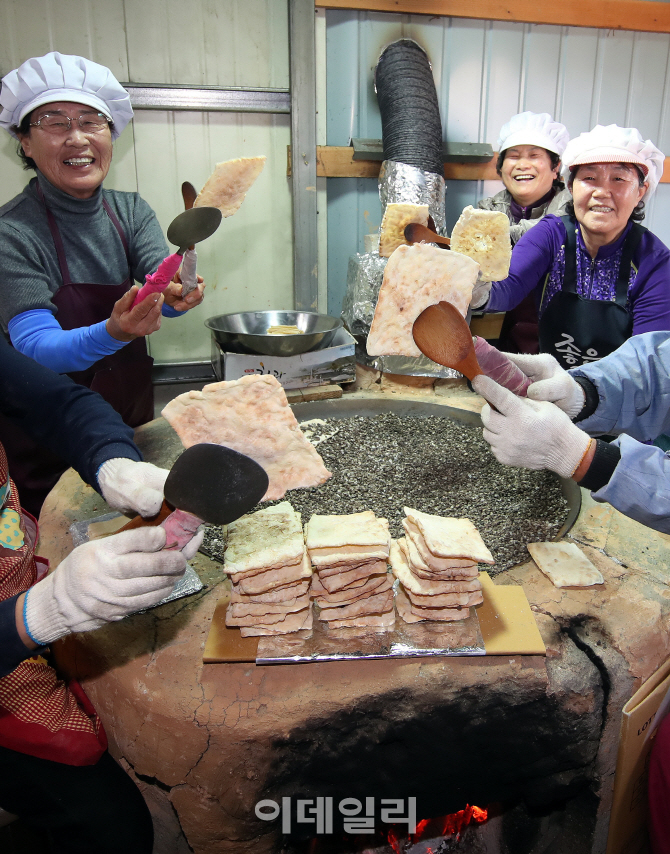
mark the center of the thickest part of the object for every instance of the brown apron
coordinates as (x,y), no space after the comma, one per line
(123,378)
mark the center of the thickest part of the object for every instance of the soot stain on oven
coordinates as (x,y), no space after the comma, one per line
(437,465)
(447,749)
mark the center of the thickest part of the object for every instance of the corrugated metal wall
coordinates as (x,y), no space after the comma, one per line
(226,43)
(486,71)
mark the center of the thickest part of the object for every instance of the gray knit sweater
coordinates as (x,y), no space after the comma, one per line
(29,272)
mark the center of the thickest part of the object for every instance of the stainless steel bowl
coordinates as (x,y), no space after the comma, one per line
(247,331)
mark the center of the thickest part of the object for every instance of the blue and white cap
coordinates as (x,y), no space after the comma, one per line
(61,77)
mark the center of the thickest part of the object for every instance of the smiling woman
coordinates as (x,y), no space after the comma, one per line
(529,162)
(71,251)
(596,275)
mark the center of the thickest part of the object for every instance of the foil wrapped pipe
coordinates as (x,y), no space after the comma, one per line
(399,182)
(411,126)
(413,167)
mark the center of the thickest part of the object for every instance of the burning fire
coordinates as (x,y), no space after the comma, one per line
(446,825)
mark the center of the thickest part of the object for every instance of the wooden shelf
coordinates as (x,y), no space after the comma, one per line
(636,15)
(337,161)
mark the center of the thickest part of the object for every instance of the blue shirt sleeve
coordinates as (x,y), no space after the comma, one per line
(38,334)
(633,386)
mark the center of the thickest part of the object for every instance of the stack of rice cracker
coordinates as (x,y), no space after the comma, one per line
(436,564)
(268,566)
(351,583)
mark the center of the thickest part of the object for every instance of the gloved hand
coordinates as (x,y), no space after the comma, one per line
(480,293)
(550,382)
(128,485)
(528,433)
(103,581)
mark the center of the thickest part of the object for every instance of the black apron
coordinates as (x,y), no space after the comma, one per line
(123,378)
(576,330)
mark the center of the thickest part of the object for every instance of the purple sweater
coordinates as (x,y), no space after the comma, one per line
(539,257)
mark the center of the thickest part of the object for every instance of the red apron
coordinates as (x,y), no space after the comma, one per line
(39,714)
(123,378)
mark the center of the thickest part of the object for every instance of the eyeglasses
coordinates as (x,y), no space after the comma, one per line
(57,124)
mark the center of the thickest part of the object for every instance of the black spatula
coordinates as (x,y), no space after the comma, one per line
(212,482)
(215,483)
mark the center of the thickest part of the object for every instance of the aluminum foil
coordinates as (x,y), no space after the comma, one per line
(406,640)
(188,584)
(399,182)
(364,279)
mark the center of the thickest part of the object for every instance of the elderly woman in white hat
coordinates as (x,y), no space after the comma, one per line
(70,251)
(597,275)
(530,147)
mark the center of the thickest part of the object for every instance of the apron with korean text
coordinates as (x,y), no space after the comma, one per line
(576,330)
(123,378)
(39,714)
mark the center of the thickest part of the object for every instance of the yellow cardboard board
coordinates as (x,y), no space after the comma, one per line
(628,818)
(507,623)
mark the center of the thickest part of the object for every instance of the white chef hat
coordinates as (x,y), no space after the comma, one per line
(59,77)
(534,129)
(612,144)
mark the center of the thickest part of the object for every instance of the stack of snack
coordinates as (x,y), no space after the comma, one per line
(351,584)
(436,564)
(268,566)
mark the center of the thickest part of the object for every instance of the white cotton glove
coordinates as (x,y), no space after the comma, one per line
(528,433)
(480,293)
(102,581)
(128,485)
(550,382)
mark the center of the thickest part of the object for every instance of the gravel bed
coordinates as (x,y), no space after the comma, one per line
(433,464)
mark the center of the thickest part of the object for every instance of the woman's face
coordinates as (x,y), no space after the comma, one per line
(74,161)
(527,173)
(605,195)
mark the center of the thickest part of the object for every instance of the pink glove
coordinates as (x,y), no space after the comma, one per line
(500,367)
(158,281)
(528,433)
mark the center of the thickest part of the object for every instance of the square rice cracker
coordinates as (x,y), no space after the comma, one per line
(298,622)
(267,539)
(263,582)
(401,569)
(351,529)
(378,603)
(484,237)
(565,565)
(250,415)
(449,537)
(396,217)
(416,277)
(456,568)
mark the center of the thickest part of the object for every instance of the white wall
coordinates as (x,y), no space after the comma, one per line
(248,263)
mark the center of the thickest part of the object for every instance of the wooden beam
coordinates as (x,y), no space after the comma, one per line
(337,161)
(638,15)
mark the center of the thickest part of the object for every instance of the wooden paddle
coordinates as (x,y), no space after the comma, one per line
(415,233)
(442,334)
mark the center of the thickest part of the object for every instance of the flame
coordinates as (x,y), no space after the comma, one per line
(447,825)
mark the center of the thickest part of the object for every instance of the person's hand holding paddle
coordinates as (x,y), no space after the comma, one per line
(531,434)
(550,382)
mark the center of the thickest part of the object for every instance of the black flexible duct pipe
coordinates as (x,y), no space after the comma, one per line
(411,126)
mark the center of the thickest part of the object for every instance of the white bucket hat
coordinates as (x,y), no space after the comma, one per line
(612,144)
(534,129)
(59,77)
